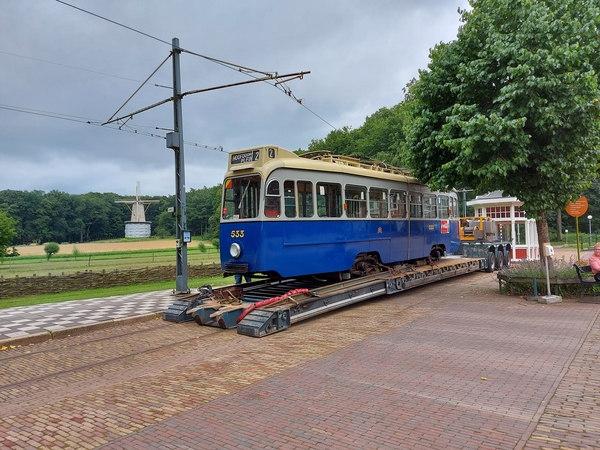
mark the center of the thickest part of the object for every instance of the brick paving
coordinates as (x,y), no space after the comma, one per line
(452,365)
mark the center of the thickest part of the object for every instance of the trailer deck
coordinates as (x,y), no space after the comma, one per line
(266,307)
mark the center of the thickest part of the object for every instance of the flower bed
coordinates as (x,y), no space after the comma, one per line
(512,285)
(524,277)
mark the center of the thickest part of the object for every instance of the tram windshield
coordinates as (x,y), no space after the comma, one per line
(241,198)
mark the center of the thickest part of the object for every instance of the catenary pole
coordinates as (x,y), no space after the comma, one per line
(175,142)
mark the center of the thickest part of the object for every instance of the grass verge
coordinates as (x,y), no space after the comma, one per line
(30,300)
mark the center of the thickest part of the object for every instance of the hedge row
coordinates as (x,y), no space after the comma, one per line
(50,284)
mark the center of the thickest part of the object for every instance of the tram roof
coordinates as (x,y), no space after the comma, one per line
(271,157)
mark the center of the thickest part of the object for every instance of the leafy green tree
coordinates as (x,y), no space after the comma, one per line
(200,207)
(57,217)
(513,104)
(50,249)
(7,233)
(338,142)
(166,224)
(60,217)
(22,206)
(98,217)
(381,137)
(215,219)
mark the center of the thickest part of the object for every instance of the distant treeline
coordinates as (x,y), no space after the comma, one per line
(60,217)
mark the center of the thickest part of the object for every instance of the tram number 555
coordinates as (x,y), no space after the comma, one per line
(237,233)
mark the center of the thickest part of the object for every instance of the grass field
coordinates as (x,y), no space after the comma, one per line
(100,256)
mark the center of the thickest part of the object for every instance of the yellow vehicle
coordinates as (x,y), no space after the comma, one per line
(479,238)
(478,228)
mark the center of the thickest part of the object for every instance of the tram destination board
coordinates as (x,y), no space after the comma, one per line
(246,157)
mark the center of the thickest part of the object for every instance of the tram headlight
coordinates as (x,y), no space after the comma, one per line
(235,250)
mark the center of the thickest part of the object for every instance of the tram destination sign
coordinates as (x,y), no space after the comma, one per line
(245,157)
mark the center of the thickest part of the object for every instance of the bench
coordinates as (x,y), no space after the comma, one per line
(585,281)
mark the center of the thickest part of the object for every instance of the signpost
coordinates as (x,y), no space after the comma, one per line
(577,209)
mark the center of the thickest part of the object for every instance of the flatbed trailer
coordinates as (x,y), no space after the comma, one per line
(479,238)
(497,254)
(265,307)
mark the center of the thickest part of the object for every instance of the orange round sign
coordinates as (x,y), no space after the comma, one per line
(579,208)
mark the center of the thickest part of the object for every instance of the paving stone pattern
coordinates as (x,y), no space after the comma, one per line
(452,365)
(25,321)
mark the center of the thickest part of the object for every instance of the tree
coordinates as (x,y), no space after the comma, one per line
(50,249)
(166,224)
(22,206)
(200,207)
(381,137)
(215,218)
(339,142)
(7,233)
(513,104)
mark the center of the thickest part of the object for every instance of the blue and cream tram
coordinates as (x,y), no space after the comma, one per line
(285,216)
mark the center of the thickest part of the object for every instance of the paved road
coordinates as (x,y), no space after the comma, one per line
(39,323)
(452,365)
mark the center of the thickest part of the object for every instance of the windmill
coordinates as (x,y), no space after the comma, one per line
(137,227)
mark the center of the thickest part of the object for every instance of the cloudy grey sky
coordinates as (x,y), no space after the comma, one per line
(57,61)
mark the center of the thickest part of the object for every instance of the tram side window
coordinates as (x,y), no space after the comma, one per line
(443,207)
(398,204)
(305,199)
(416,205)
(453,207)
(289,198)
(241,197)
(329,200)
(272,199)
(429,206)
(378,203)
(356,201)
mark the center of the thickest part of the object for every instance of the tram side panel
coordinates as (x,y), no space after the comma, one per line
(295,248)
(315,246)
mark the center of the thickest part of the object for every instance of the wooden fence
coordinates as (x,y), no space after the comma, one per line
(50,284)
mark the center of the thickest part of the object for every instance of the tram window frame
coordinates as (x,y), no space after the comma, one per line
(398,204)
(356,201)
(378,203)
(241,195)
(272,206)
(329,199)
(443,206)
(429,206)
(306,206)
(416,205)
(289,198)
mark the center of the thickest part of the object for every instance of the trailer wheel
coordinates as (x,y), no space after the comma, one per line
(507,262)
(500,260)
(491,262)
